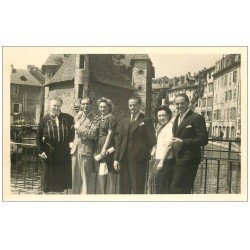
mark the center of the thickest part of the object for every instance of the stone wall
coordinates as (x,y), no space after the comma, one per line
(65,91)
(119,97)
(139,80)
(142,80)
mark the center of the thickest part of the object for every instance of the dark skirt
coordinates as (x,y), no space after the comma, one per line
(57,174)
(109,159)
(164,177)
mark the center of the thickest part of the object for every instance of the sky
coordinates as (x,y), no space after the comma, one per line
(169,65)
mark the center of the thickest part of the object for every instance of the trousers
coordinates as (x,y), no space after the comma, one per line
(81,173)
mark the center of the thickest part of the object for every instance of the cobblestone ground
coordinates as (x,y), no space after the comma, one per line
(21,181)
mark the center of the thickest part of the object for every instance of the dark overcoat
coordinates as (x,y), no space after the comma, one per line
(57,174)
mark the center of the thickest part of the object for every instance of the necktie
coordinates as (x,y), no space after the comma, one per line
(132,119)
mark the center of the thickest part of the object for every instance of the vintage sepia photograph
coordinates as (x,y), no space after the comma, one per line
(125,123)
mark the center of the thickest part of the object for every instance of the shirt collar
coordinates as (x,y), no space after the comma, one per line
(183,115)
(136,116)
(106,116)
(54,115)
(86,115)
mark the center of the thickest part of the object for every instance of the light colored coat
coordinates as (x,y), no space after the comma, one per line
(85,135)
(163,139)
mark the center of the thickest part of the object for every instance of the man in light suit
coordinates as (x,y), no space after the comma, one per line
(134,141)
(83,147)
(189,135)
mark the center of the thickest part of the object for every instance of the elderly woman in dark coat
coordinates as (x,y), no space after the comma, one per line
(54,136)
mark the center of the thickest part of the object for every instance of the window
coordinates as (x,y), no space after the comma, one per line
(82,62)
(139,87)
(235,94)
(15,90)
(80,91)
(228,114)
(209,115)
(225,96)
(210,87)
(16,108)
(232,133)
(216,131)
(210,101)
(204,102)
(233,113)
(235,76)
(219,114)
(222,114)
(229,95)
(225,80)
(141,72)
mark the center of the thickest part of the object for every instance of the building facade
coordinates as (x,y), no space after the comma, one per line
(96,76)
(184,84)
(205,103)
(87,75)
(27,95)
(142,74)
(227,94)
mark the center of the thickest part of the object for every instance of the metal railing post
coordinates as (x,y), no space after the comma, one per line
(205,181)
(230,176)
(218,177)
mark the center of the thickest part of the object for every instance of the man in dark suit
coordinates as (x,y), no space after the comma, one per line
(189,134)
(135,139)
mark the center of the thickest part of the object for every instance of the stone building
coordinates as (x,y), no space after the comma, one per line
(86,75)
(27,95)
(205,103)
(73,76)
(183,84)
(227,97)
(142,74)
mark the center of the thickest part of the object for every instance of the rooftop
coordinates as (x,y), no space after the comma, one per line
(102,69)
(31,77)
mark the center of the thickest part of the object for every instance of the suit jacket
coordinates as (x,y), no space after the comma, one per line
(193,133)
(85,135)
(134,141)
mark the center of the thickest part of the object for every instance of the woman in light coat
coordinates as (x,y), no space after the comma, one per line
(163,151)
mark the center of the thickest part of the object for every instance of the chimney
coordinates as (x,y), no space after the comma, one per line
(30,67)
(11,68)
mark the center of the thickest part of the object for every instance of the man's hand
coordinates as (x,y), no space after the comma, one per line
(76,126)
(116,165)
(176,143)
(70,144)
(43,155)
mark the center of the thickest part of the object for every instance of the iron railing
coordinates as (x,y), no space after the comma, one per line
(219,171)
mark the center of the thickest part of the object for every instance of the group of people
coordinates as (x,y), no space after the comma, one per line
(72,148)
